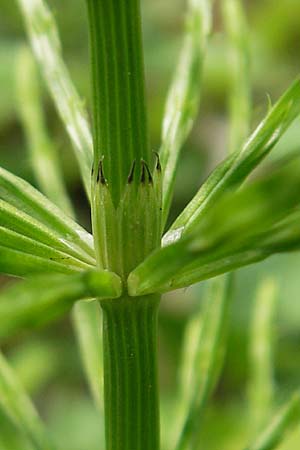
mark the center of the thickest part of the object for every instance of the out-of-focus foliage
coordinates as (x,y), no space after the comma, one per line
(47,360)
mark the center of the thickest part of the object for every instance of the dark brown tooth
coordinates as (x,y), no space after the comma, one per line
(100,175)
(145,172)
(92,172)
(131,173)
(149,173)
(158,165)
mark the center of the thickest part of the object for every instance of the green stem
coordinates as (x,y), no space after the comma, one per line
(126,204)
(123,181)
(130,373)
(120,126)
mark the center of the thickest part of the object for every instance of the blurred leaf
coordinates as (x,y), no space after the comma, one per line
(184,95)
(88,326)
(210,337)
(261,383)
(285,420)
(239,100)
(284,236)
(7,55)
(18,406)
(44,158)
(42,299)
(36,361)
(46,47)
(235,169)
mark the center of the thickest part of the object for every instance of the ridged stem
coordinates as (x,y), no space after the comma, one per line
(120,127)
(130,373)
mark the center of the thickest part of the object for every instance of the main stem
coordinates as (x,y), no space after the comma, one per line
(130,373)
(126,204)
(119,119)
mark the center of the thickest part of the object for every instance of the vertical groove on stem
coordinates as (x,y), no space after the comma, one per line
(130,368)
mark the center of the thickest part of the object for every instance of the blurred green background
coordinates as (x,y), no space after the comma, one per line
(47,359)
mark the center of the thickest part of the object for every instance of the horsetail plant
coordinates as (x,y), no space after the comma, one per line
(128,261)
